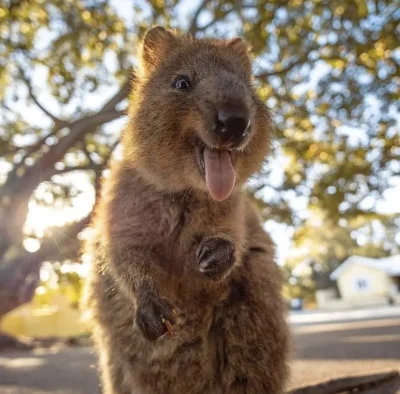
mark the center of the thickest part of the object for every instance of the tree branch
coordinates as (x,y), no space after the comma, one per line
(44,168)
(20,276)
(87,153)
(59,123)
(267,74)
(42,141)
(193,26)
(92,166)
(89,167)
(59,240)
(288,68)
(209,24)
(20,188)
(121,95)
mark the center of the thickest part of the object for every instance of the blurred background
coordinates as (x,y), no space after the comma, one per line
(329,70)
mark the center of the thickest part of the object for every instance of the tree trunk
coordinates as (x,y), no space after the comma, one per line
(18,281)
(20,273)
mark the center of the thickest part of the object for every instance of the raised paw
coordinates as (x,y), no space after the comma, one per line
(155,317)
(215,257)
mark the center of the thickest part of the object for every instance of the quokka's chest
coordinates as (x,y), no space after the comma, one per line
(172,221)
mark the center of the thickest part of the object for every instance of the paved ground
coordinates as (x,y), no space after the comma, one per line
(331,350)
(316,317)
(321,352)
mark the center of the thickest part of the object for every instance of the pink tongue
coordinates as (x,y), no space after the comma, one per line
(220,174)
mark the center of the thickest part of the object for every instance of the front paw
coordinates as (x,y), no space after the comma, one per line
(155,317)
(215,257)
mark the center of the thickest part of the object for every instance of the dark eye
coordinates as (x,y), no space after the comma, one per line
(181,83)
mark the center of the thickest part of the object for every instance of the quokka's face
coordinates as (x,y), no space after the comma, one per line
(195,120)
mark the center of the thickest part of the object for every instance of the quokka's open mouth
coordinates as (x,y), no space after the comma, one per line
(217,166)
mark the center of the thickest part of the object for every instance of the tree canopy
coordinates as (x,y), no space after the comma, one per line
(328,70)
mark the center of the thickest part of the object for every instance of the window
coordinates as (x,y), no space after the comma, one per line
(361,284)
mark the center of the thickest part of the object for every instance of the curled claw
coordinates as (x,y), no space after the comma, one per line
(215,257)
(155,317)
(168,326)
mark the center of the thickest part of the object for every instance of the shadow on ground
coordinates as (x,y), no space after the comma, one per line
(49,371)
(373,339)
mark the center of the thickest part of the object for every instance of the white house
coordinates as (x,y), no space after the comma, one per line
(367,281)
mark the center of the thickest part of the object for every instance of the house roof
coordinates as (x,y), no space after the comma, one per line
(389,265)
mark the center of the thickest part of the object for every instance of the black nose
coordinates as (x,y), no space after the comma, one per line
(232,127)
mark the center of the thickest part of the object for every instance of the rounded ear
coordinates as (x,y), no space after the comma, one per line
(156,44)
(242,48)
(239,45)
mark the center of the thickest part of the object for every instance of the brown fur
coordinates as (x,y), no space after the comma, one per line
(155,221)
